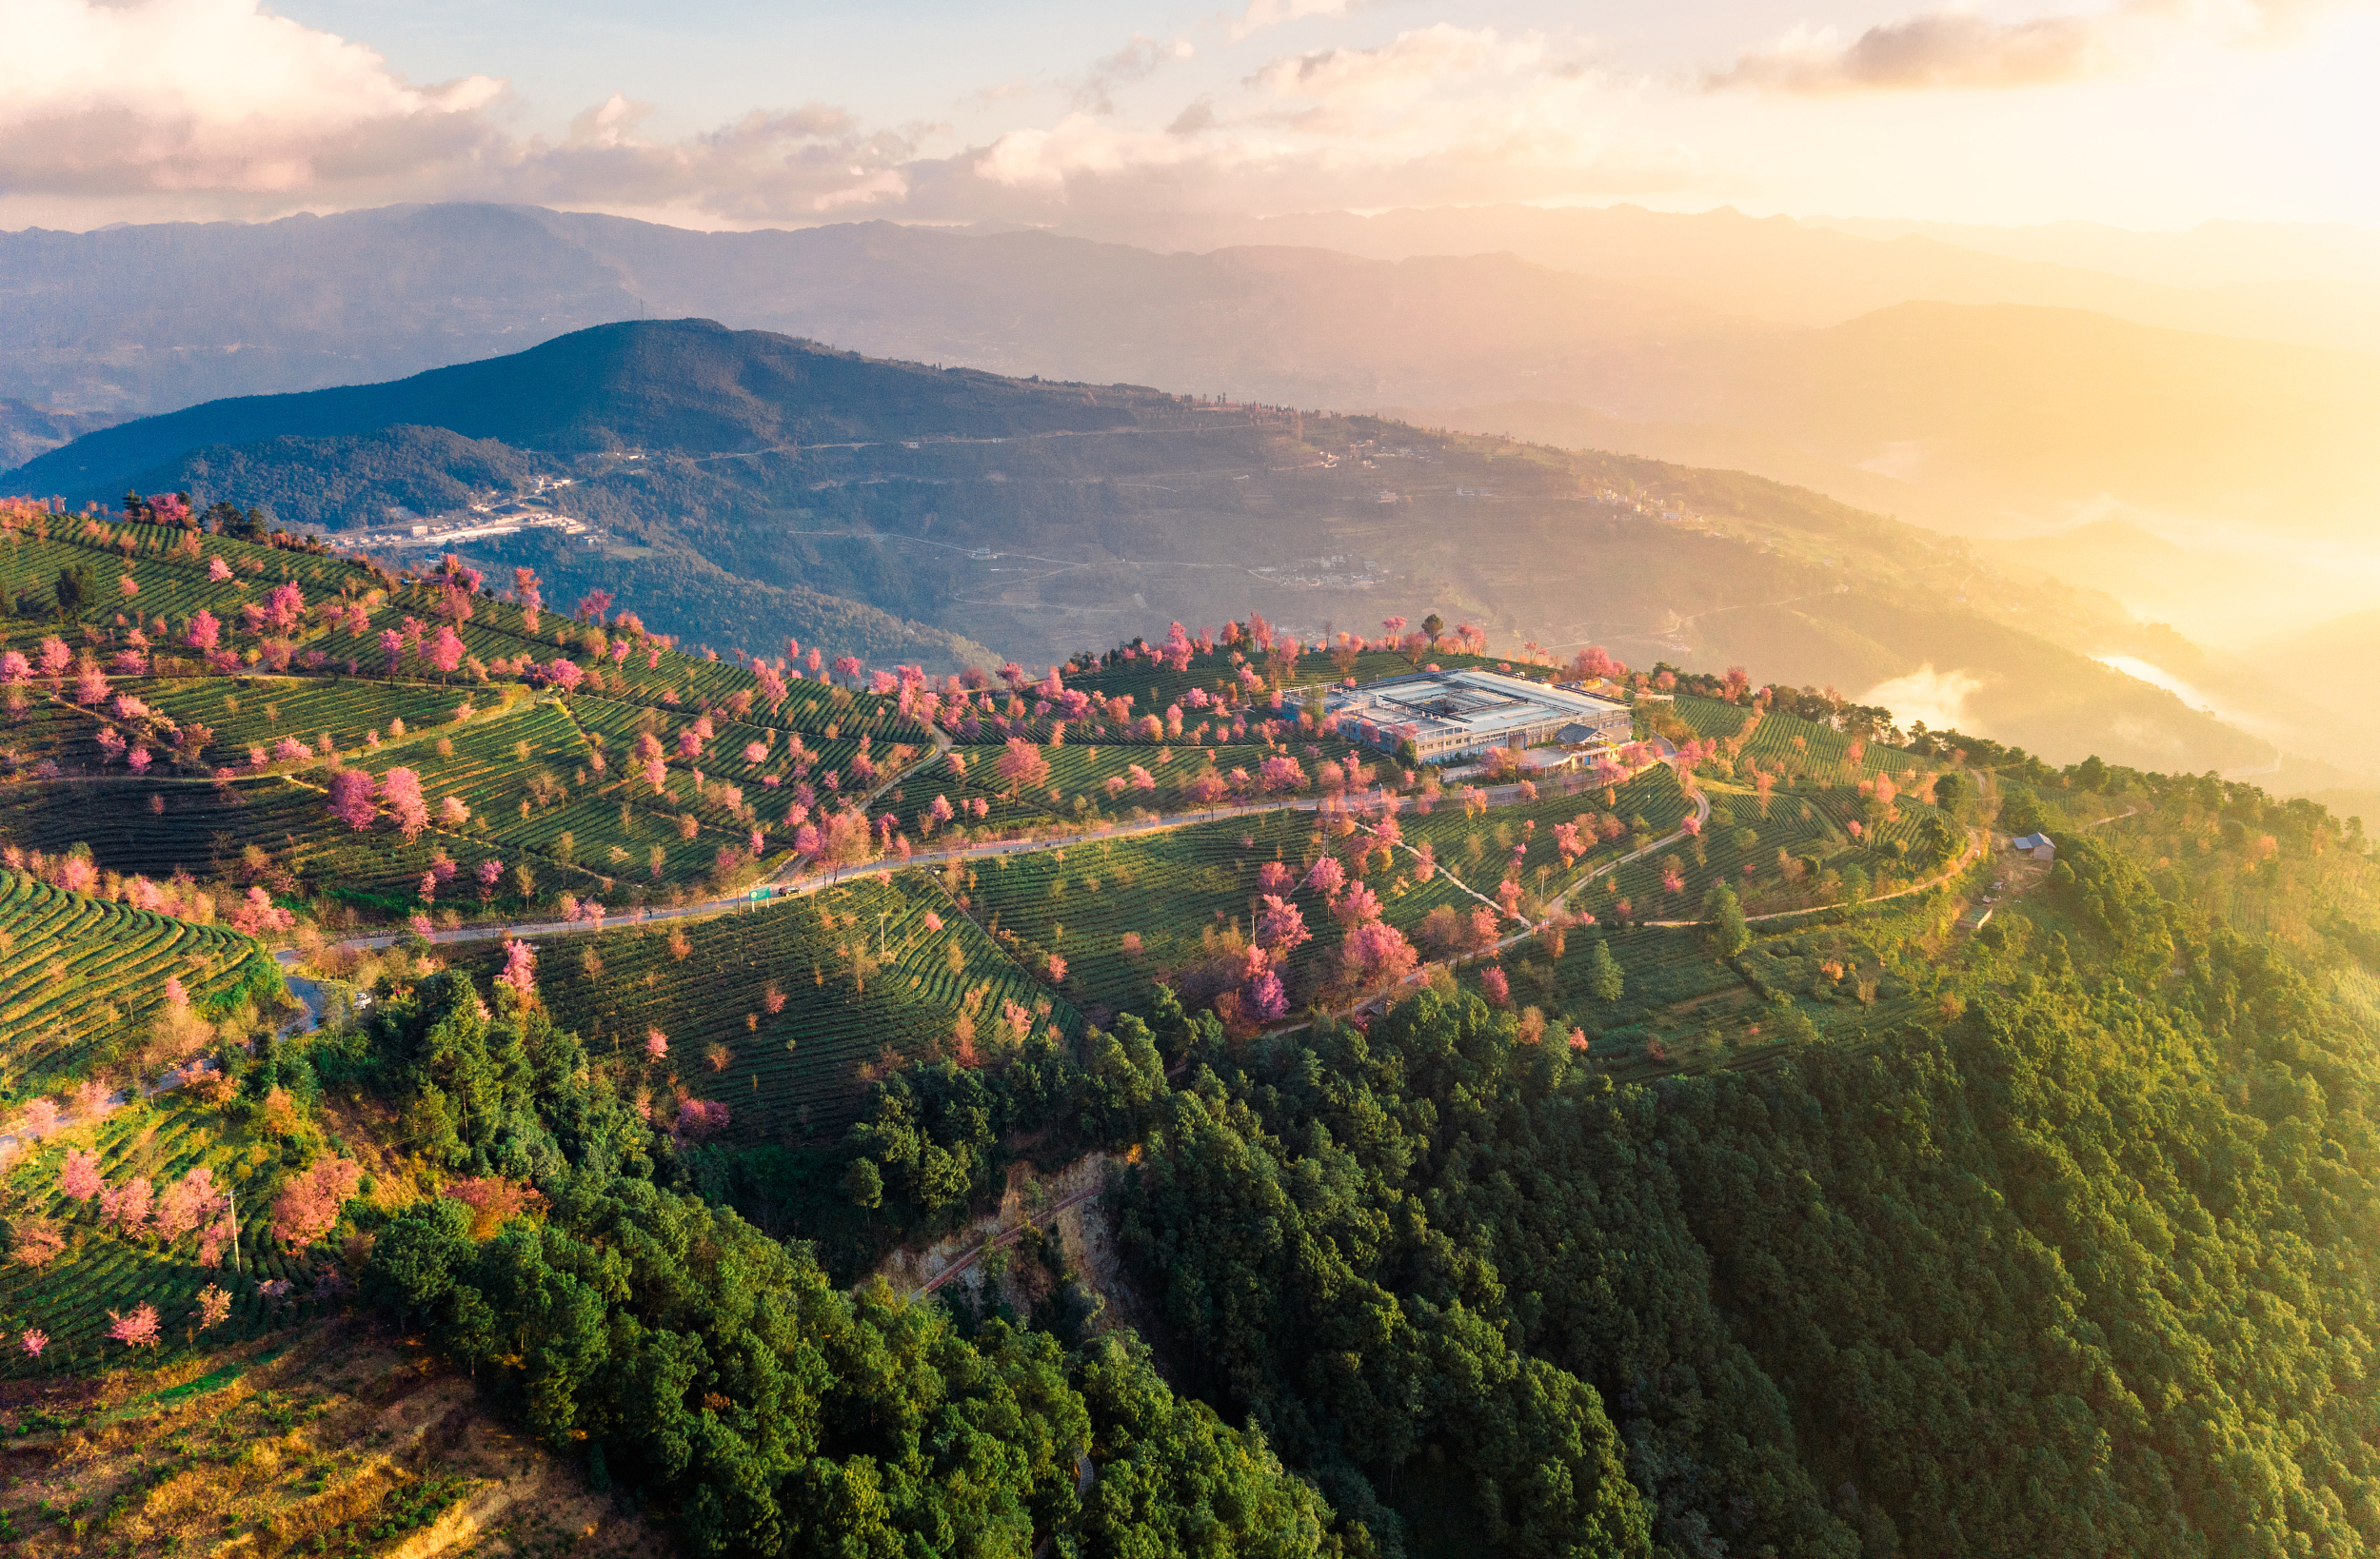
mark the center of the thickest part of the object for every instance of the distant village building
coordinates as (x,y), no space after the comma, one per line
(1448,715)
(2035,845)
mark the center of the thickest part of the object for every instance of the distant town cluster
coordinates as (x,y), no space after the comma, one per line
(479,522)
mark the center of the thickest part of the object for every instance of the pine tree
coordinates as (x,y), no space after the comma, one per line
(1604,981)
(1729,933)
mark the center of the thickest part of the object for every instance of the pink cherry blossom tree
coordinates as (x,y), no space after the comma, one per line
(525,591)
(309,1204)
(351,798)
(138,1329)
(1279,772)
(188,1204)
(79,1179)
(128,1206)
(401,792)
(1280,926)
(1261,997)
(445,650)
(284,606)
(520,971)
(1376,953)
(1355,906)
(1021,765)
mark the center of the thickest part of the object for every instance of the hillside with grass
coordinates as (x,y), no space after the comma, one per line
(480,1076)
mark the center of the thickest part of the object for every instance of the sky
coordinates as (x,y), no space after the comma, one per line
(732,113)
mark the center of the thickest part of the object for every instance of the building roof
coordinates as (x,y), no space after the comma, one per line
(1473,707)
(2032,841)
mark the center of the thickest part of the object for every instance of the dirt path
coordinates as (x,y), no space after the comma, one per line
(788,882)
(1496,949)
(1978,839)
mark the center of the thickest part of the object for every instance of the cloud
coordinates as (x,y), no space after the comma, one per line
(1436,115)
(1136,61)
(1937,697)
(1957,49)
(167,95)
(761,168)
(174,107)
(1263,14)
(161,109)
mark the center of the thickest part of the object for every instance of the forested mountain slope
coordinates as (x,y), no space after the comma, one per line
(680,385)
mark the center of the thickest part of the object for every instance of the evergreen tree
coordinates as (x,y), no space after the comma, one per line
(1604,981)
(1729,933)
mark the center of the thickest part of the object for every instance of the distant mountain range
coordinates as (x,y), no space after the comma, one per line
(744,485)
(27,430)
(2014,397)
(2314,286)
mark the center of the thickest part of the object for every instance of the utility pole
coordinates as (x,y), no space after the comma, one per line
(232,1197)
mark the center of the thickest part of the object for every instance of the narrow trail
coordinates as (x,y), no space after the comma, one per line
(788,882)
(1496,949)
(1978,839)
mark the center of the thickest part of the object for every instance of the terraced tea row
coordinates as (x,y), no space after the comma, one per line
(778,1011)
(99,1269)
(77,973)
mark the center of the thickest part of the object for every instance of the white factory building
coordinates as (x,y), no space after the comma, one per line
(1450,715)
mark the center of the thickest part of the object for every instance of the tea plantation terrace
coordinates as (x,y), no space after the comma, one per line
(1447,715)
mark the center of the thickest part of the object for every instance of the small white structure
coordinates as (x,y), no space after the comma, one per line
(1448,715)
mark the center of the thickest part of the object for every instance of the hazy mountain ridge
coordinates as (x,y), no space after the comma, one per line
(27,430)
(138,319)
(1135,506)
(1824,271)
(2016,417)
